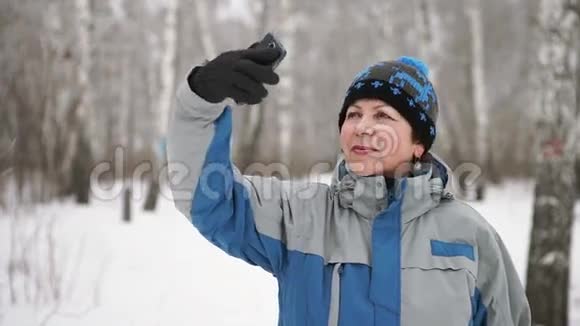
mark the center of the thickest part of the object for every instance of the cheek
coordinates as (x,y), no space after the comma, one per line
(346,133)
(405,142)
(398,142)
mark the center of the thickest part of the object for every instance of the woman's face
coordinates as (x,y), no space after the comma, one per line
(376,139)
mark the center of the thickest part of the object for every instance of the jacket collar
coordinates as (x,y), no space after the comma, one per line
(370,195)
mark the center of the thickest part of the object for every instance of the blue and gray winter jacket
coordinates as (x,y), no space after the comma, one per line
(355,252)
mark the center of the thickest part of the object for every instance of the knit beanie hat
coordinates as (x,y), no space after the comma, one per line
(404,85)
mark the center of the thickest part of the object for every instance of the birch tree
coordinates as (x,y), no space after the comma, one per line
(285,96)
(79,149)
(556,132)
(254,116)
(576,9)
(480,105)
(168,77)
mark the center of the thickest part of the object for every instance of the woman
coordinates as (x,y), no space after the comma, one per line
(384,244)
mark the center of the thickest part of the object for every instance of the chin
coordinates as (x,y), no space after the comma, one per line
(363,168)
(366,173)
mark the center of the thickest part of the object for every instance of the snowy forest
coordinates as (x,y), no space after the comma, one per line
(87,88)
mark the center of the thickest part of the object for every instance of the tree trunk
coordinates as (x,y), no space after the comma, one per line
(127,194)
(549,256)
(285,96)
(81,148)
(81,169)
(152,193)
(253,117)
(128,106)
(167,89)
(480,106)
(202,15)
(577,167)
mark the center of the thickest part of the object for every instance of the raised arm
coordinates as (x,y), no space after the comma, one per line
(242,215)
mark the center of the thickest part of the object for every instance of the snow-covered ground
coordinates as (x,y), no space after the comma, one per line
(158,270)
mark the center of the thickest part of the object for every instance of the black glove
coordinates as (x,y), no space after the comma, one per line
(239,75)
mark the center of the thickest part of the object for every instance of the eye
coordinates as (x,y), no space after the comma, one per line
(383,115)
(353,114)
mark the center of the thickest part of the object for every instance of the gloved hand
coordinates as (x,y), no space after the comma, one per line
(239,75)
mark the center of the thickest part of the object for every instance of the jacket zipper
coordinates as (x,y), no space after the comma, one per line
(335,295)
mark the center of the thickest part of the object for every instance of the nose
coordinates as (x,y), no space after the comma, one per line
(365,126)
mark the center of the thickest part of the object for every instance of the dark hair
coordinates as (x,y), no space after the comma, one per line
(415,137)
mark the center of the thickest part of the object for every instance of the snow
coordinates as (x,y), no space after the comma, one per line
(548,201)
(158,270)
(553,257)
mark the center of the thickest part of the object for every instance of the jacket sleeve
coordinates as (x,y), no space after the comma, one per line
(499,299)
(242,215)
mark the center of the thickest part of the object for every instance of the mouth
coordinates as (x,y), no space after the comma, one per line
(362,150)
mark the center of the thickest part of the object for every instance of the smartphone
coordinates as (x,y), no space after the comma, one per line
(271,42)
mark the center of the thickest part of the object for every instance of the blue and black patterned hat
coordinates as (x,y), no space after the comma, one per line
(404,85)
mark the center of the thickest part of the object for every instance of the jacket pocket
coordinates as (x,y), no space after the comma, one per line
(437,285)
